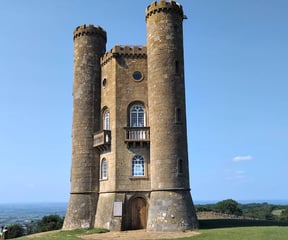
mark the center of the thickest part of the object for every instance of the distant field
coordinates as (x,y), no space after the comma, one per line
(244,233)
(26,212)
(241,233)
(277,212)
(229,223)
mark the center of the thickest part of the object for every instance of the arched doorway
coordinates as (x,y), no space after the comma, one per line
(138,209)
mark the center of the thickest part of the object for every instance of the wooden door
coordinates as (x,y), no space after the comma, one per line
(138,213)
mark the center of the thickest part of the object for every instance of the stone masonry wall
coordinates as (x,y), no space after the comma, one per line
(89,46)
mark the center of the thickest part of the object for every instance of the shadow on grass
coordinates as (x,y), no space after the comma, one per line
(229,223)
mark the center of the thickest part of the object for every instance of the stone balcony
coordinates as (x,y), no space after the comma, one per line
(137,136)
(102,140)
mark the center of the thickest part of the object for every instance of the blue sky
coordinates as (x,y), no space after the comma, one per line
(236,89)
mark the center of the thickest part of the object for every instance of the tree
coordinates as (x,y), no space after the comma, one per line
(14,231)
(284,215)
(229,206)
(49,223)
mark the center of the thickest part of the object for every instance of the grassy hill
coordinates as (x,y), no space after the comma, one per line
(244,233)
(240,233)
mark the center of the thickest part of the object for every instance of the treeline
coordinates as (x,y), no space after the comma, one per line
(257,211)
(47,223)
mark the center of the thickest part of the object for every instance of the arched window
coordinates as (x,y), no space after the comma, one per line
(104,168)
(138,165)
(137,116)
(106,120)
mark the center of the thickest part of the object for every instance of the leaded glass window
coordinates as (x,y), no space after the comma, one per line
(138,166)
(137,116)
(106,120)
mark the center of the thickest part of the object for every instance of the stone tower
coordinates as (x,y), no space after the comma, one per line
(89,46)
(171,206)
(129,145)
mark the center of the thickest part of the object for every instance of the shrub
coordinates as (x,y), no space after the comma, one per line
(14,231)
(49,223)
(229,206)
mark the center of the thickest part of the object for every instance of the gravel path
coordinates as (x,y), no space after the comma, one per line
(139,234)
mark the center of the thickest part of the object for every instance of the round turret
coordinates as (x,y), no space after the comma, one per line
(166,92)
(89,47)
(90,30)
(164,6)
(167,119)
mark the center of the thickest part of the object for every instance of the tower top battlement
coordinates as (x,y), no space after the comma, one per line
(89,30)
(163,6)
(135,51)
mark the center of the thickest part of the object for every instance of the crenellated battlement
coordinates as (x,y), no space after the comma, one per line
(156,7)
(126,51)
(89,30)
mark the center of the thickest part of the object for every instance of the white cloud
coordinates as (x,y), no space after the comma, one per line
(242,158)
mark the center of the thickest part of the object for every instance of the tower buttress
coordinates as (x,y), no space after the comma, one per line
(89,46)
(171,206)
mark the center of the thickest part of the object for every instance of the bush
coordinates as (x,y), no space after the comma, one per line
(261,211)
(229,206)
(14,231)
(284,215)
(49,223)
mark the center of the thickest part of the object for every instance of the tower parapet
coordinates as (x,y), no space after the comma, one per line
(164,6)
(128,51)
(84,30)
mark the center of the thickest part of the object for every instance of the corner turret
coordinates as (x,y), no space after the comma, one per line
(171,206)
(89,47)
(164,6)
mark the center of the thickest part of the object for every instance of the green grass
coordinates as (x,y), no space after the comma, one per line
(66,235)
(243,233)
(240,233)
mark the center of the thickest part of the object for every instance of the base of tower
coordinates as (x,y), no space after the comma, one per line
(81,211)
(118,211)
(109,211)
(171,211)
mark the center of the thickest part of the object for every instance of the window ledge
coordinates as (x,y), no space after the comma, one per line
(138,178)
(103,179)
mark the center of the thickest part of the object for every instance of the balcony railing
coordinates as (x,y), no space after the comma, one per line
(137,136)
(102,140)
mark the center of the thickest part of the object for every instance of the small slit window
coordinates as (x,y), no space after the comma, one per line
(177,70)
(104,82)
(104,169)
(178,115)
(180,166)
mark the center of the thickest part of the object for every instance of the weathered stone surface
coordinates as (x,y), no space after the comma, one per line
(152,76)
(89,46)
(171,207)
